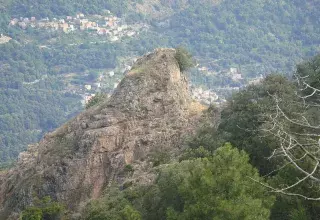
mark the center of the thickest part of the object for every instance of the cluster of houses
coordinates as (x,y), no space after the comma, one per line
(110,26)
(86,98)
(89,91)
(4,39)
(107,81)
(207,97)
(233,73)
(256,81)
(32,22)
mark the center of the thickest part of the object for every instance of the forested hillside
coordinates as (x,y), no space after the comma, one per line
(32,100)
(257,37)
(261,36)
(50,8)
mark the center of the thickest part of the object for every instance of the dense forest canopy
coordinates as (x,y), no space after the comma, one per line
(261,36)
(51,8)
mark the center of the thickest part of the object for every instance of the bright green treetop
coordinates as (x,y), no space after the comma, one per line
(214,188)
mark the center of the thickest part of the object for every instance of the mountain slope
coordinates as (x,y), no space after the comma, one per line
(149,112)
(257,37)
(261,36)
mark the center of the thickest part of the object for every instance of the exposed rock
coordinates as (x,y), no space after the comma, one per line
(150,111)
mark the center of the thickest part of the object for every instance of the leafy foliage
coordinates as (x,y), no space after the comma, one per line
(310,72)
(98,98)
(216,187)
(31,99)
(245,122)
(113,205)
(51,8)
(261,36)
(43,209)
(246,112)
(35,97)
(159,157)
(184,59)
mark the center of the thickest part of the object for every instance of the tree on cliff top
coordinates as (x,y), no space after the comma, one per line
(184,58)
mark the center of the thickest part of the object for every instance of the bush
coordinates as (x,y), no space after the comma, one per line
(184,59)
(216,187)
(159,157)
(43,209)
(113,205)
(98,98)
(128,168)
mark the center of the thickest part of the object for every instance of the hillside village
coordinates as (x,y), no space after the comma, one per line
(108,79)
(110,26)
(217,94)
(114,29)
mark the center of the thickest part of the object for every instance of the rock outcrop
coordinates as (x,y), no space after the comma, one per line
(150,111)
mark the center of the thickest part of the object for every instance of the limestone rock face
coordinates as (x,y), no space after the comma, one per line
(150,111)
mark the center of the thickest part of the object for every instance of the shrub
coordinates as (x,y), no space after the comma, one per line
(184,59)
(159,157)
(98,98)
(128,168)
(43,209)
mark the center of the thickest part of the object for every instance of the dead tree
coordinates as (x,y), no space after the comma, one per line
(297,129)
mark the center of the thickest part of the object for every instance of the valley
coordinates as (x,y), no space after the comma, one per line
(73,74)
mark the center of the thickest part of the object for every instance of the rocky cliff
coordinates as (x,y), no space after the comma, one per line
(150,111)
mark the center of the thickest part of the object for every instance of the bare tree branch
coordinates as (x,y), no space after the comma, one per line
(301,150)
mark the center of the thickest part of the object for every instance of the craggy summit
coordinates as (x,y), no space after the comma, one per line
(150,111)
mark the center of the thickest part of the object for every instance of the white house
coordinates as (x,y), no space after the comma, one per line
(88,87)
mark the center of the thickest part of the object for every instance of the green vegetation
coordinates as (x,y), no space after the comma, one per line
(128,168)
(52,9)
(252,122)
(43,209)
(261,36)
(35,89)
(184,59)
(243,118)
(215,187)
(114,205)
(98,98)
(32,99)
(159,157)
